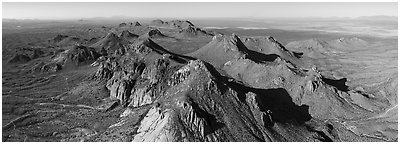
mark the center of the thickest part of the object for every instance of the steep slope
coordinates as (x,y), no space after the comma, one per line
(109,44)
(153,33)
(224,48)
(128,36)
(268,46)
(122,25)
(92,41)
(78,55)
(135,24)
(220,50)
(327,98)
(272,70)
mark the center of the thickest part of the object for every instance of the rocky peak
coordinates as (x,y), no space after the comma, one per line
(194,66)
(81,54)
(181,23)
(221,49)
(234,39)
(154,33)
(110,44)
(137,24)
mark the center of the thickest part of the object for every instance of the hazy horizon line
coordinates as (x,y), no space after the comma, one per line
(155,17)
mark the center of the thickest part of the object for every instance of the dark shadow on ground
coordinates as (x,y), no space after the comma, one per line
(256,56)
(281,106)
(212,123)
(339,84)
(298,54)
(176,57)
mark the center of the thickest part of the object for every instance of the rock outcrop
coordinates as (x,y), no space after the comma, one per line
(122,82)
(136,24)
(155,33)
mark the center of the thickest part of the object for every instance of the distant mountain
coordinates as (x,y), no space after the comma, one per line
(172,24)
(378,18)
(64,40)
(316,48)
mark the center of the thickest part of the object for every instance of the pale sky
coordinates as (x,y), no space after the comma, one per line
(195,10)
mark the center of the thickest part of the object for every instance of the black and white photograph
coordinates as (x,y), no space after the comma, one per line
(199,71)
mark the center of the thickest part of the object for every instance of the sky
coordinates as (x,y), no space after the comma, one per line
(76,10)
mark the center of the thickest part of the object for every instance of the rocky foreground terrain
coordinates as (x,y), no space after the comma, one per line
(174,81)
